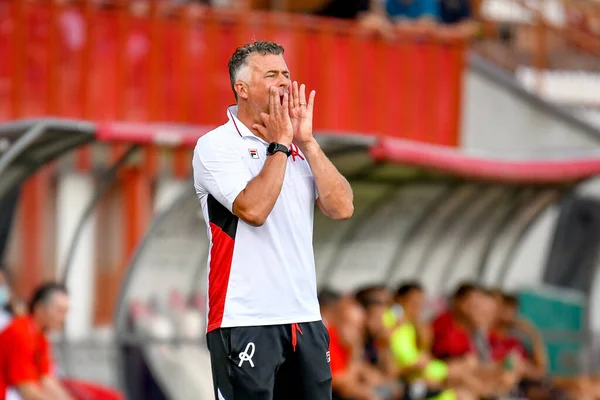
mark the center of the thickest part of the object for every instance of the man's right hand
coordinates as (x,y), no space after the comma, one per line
(277,125)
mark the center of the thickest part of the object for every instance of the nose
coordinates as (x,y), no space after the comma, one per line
(284,82)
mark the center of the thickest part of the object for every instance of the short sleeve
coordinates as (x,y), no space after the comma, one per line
(20,359)
(46,361)
(219,171)
(338,355)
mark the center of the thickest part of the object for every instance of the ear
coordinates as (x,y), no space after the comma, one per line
(241,88)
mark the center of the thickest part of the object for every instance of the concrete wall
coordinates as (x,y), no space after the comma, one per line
(499,115)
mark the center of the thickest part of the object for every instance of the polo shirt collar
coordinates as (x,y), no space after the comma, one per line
(242,130)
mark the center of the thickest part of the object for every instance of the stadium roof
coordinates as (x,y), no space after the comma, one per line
(540,167)
(28,144)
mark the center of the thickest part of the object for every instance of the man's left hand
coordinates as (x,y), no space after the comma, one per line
(301,114)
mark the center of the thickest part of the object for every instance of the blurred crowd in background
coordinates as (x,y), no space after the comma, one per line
(442,11)
(387,345)
(391,345)
(379,15)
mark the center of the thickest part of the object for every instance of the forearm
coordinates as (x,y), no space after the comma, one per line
(424,337)
(254,204)
(539,347)
(532,371)
(335,193)
(349,386)
(55,389)
(387,364)
(31,391)
(371,375)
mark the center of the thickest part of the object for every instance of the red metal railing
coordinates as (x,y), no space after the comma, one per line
(110,63)
(543,43)
(81,60)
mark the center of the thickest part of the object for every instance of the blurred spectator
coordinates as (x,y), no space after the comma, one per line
(25,360)
(505,338)
(328,302)
(451,336)
(515,335)
(239,4)
(369,13)
(455,11)
(483,315)
(503,373)
(345,9)
(459,13)
(506,342)
(403,10)
(353,378)
(376,300)
(410,340)
(462,333)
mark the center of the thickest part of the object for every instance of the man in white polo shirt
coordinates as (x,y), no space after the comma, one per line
(258,177)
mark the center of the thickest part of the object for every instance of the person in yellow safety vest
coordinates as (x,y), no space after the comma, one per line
(409,342)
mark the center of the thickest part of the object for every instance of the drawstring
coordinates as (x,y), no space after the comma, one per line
(295,329)
(294,152)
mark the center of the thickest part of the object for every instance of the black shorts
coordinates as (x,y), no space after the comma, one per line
(287,362)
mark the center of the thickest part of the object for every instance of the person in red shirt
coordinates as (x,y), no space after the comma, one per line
(461,334)
(25,356)
(353,377)
(451,334)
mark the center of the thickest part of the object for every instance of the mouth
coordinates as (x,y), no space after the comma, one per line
(281,99)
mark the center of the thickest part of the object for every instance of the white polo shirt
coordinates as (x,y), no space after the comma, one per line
(256,275)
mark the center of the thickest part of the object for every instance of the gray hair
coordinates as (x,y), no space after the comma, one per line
(238,60)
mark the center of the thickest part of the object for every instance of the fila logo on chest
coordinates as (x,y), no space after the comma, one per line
(253,153)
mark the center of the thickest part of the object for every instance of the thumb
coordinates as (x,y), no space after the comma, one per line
(261,129)
(264,117)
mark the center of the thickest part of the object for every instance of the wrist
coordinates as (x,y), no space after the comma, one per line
(310,146)
(284,141)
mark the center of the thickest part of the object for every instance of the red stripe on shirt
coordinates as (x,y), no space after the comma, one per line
(221,256)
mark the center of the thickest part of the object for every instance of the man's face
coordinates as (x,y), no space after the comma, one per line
(265,72)
(471,306)
(413,303)
(374,317)
(484,311)
(352,323)
(55,312)
(466,304)
(508,314)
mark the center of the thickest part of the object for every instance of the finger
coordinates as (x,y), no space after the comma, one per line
(261,129)
(295,94)
(286,104)
(278,100)
(264,117)
(311,100)
(302,94)
(273,100)
(291,98)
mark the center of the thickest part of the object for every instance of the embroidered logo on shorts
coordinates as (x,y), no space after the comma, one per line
(253,153)
(247,355)
(220,395)
(328,356)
